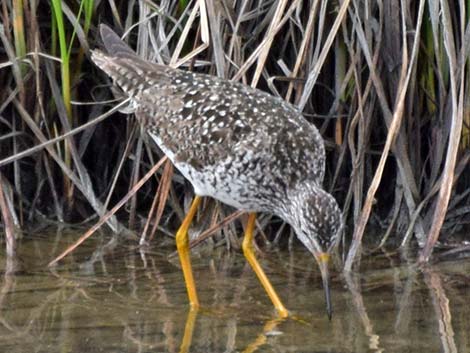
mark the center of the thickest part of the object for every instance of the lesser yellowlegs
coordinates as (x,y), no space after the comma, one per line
(236,144)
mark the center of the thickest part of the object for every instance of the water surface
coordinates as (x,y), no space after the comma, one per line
(111,296)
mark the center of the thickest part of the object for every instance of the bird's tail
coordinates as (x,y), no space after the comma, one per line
(131,73)
(114,45)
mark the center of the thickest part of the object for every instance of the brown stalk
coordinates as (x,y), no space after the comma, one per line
(303,49)
(175,61)
(163,195)
(110,213)
(435,189)
(266,40)
(313,75)
(400,147)
(84,187)
(281,5)
(119,167)
(134,179)
(216,31)
(393,130)
(7,220)
(155,201)
(454,137)
(47,142)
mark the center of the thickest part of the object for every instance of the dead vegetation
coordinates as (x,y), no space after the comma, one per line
(384,81)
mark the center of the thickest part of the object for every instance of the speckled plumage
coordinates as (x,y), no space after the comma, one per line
(234,143)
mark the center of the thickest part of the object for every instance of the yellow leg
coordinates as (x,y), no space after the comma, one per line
(251,258)
(188,331)
(182,245)
(263,337)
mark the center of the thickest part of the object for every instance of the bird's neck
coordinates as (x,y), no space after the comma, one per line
(296,199)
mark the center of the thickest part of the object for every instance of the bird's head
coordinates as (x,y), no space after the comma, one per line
(316,218)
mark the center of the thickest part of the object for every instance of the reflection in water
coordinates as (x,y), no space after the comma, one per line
(188,330)
(441,308)
(353,285)
(110,297)
(269,329)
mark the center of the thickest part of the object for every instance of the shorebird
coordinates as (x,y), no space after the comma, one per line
(236,144)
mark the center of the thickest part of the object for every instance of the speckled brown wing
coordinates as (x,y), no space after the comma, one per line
(202,120)
(204,123)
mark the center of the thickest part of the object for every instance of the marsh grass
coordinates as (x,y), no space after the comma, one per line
(385,83)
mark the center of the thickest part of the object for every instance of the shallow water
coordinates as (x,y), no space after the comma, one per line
(110,297)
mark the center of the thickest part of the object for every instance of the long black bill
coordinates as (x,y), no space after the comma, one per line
(323,261)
